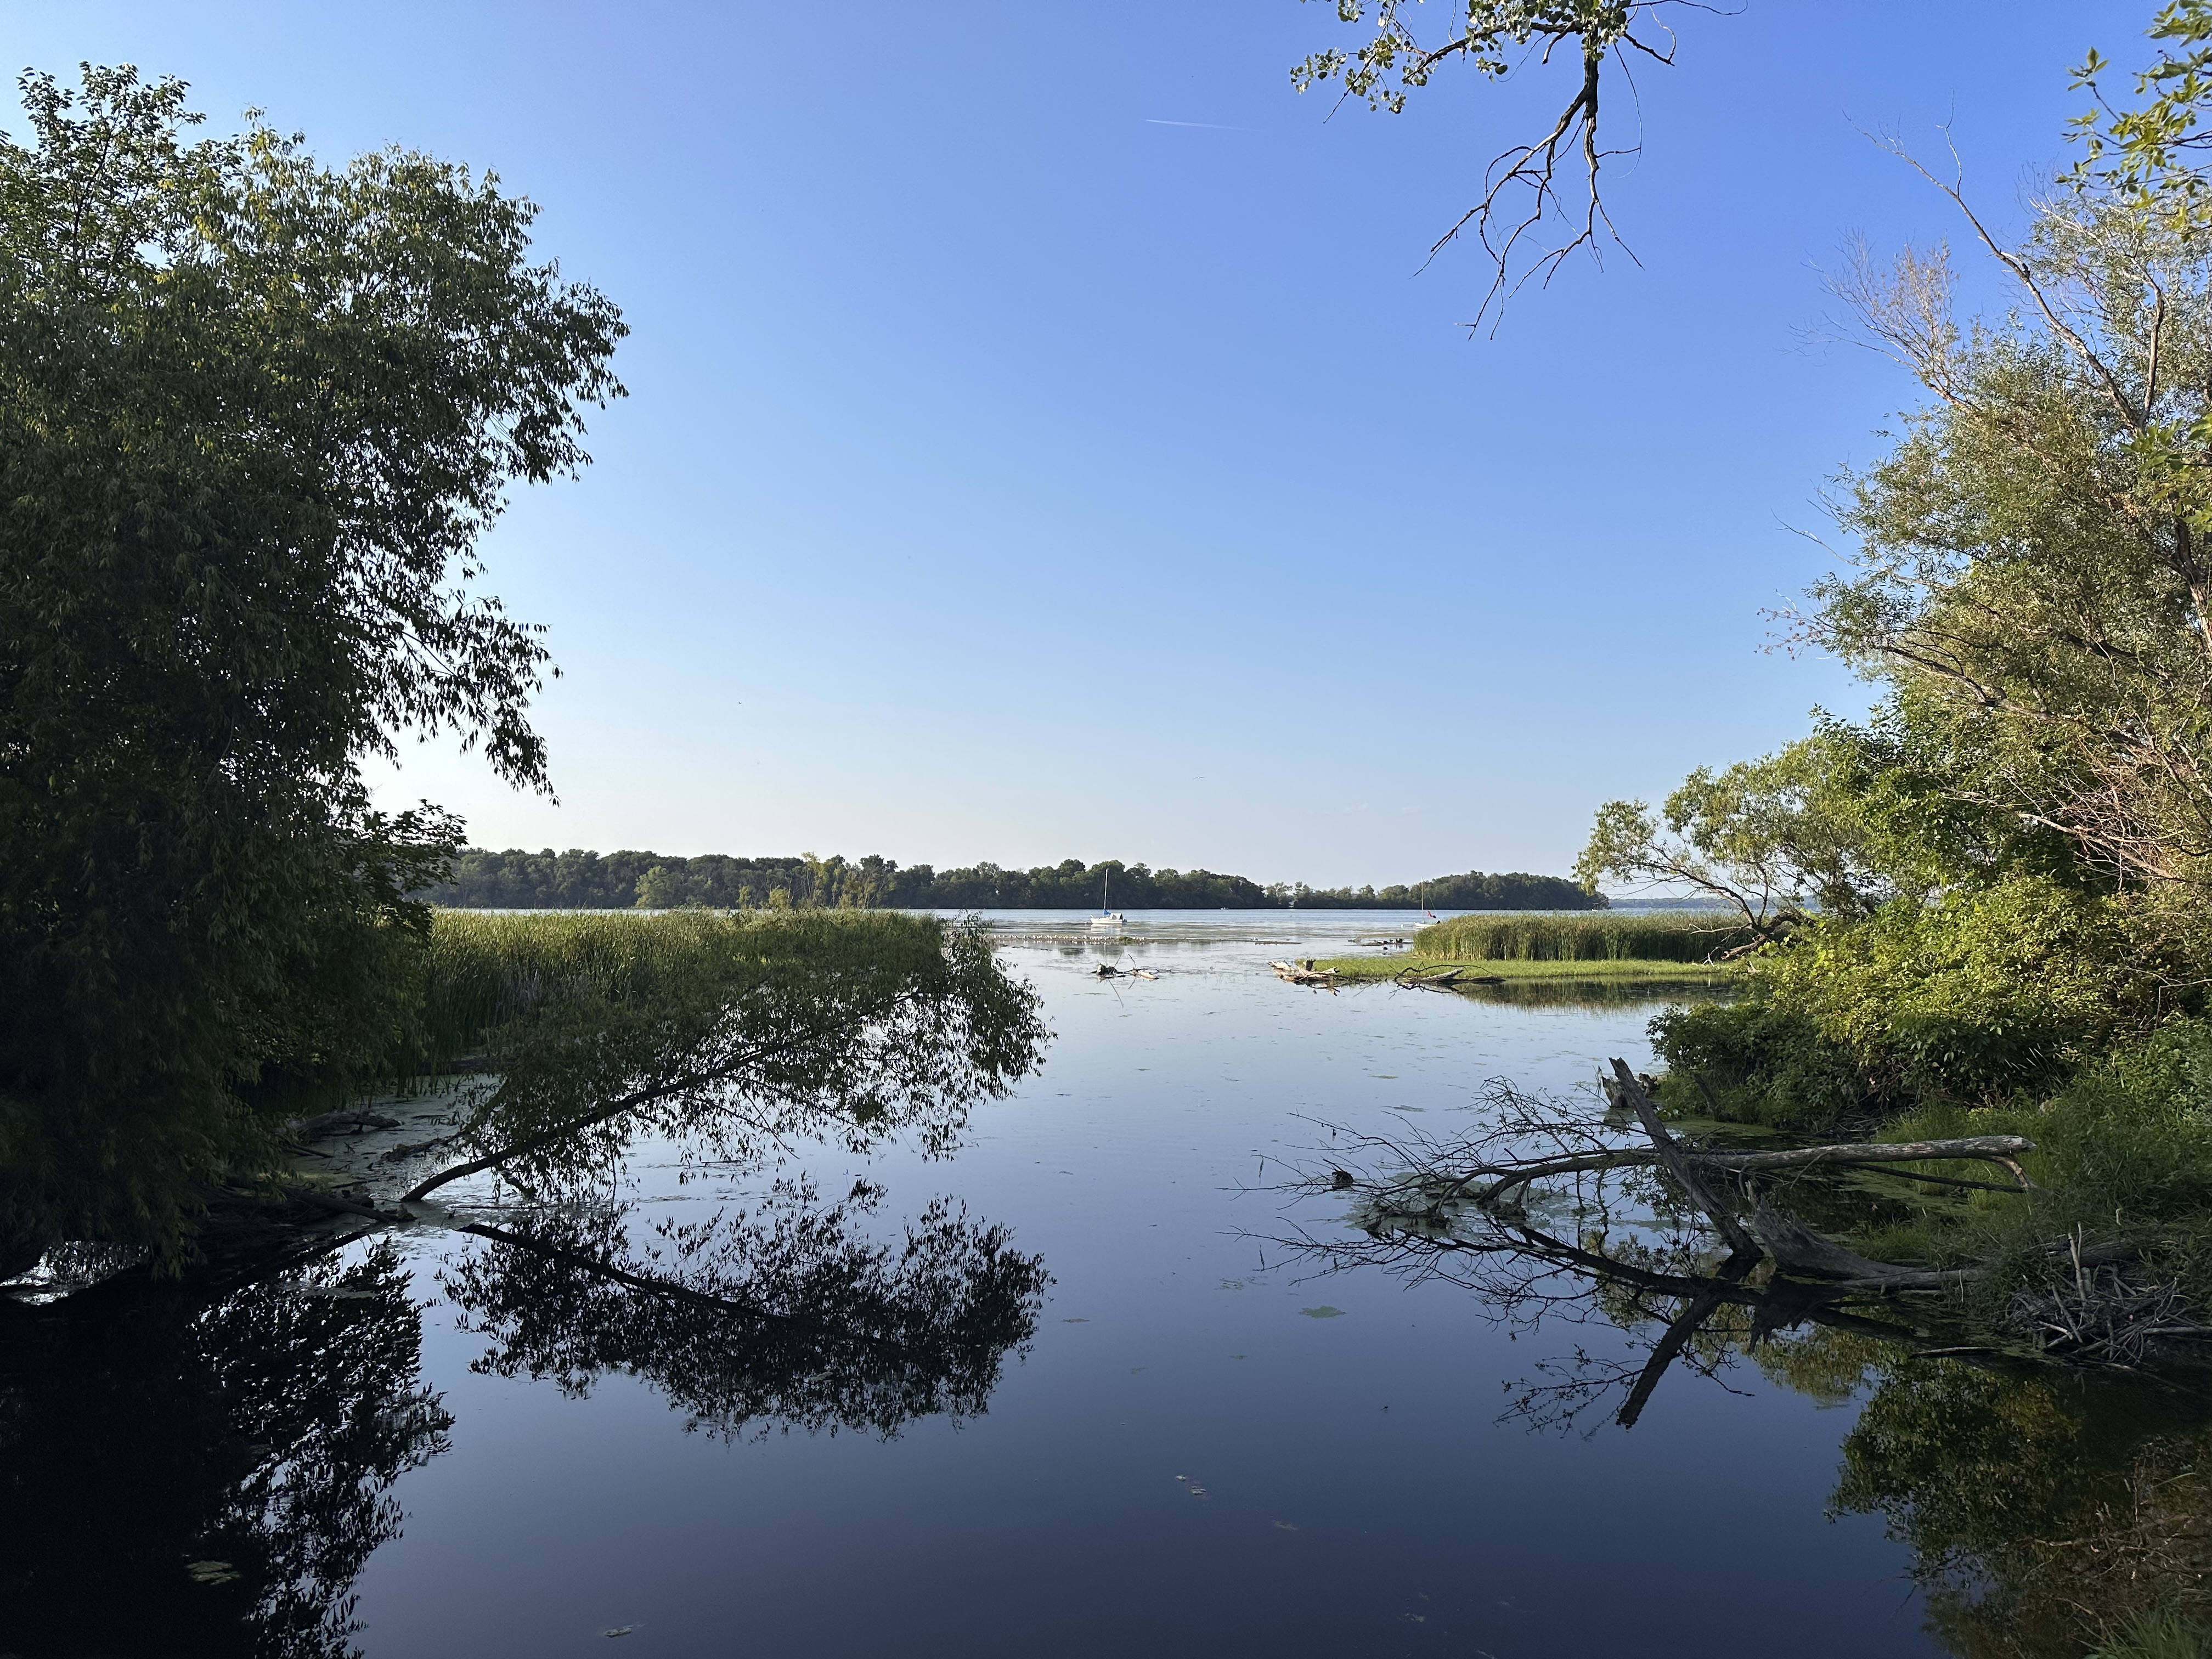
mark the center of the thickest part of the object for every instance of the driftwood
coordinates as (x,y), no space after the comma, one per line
(1687,1176)
(315,1198)
(328,1122)
(1306,974)
(1444,981)
(1716,1181)
(1459,1210)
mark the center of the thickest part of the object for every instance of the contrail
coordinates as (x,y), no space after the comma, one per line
(1211,126)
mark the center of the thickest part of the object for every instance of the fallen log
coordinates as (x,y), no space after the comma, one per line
(316,1199)
(1688,1174)
(1442,982)
(2000,1149)
(1306,975)
(323,1123)
(1994,1149)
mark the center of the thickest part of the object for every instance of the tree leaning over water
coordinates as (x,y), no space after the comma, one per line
(254,415)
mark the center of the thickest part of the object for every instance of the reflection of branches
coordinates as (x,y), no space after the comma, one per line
(1544,1216)
(197,1468)
(2047,1515)
(775,1032)
(787,1313)
(254,1436)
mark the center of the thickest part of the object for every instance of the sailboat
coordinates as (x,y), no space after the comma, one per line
(1106,918)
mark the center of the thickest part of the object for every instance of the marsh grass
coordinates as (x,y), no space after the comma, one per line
(1682,936)
(2161,1635)
(1533,971)
(484,971)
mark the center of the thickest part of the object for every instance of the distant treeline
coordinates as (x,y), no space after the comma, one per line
(578,880)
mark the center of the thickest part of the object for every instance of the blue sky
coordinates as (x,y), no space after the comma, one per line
(1044,442)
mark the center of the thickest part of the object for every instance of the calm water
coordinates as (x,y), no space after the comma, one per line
(1204,1448)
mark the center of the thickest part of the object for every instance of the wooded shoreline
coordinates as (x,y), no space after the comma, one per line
(581,880)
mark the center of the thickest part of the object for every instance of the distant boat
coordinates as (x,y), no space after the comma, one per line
(1106,918)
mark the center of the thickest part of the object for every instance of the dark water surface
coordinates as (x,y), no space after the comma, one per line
(1202,1448)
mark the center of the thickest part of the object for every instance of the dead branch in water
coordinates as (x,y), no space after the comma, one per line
(1444,981)
(1477,1194)
(1485,1213)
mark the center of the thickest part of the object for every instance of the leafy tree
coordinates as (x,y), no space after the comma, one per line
(254,414)
(1775,839)
(2007,874)
(731,1035)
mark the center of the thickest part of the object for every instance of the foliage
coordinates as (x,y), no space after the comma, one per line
(253,415)
(582,880)
(1546,982)
(2006,875)
(2045,1518)
(2031,565)
(1774,839)
(2147,155)
(731,1033)
(1972,997)
(2126,1145)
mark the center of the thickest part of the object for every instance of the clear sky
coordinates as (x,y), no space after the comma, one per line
(1043,442)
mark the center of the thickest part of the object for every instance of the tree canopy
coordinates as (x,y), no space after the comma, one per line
(2003,876)
(579,880)
(254,414)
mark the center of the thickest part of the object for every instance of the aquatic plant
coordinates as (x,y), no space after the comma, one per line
(1676,936)
(729,1032)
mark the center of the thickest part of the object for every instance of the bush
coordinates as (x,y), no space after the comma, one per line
(1981,996)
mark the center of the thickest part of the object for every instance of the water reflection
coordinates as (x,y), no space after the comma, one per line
(200,1468)
(2045,1513)
(2049,1513)
(189,1473)
(790,1314)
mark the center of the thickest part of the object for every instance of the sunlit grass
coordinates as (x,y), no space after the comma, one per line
(486,969)
(1695,937)
(1528,970)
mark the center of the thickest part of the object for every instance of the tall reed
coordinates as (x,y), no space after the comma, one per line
(484,970)
(1693,936)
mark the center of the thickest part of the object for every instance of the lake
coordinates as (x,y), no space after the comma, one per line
(1201,1442)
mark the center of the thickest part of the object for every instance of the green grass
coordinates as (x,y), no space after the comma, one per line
(1679,937)
(484,969)
(2158,1635)
(1519,971)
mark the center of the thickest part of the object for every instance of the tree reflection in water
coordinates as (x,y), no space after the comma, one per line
(199,1468)
(789,1313)
(190,1473)
(2050,1511)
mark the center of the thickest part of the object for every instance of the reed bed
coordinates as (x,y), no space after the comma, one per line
(1688,937)
(1528,971)
(484,970)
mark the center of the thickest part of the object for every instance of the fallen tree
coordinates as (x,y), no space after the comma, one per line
(1493,1201)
